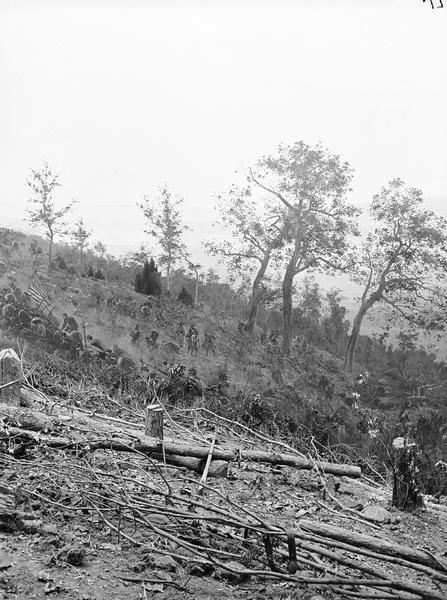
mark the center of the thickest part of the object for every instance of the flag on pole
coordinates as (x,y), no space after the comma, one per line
(39,293)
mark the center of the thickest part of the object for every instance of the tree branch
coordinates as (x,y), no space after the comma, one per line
(274,192)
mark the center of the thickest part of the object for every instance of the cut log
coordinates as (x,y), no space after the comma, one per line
(10,377)
(35,421)
(407,494)
(154,421)
(376,544)
(217,468)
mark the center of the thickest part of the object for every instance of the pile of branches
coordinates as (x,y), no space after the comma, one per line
(202,527)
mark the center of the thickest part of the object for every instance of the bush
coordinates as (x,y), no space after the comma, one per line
(185,297)
(148,281)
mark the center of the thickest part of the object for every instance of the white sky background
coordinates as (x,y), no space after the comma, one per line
(122,96)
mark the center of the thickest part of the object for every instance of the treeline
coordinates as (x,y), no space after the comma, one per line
(289,215)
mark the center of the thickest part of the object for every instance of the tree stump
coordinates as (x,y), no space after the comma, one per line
(407,495)
(10,377)
(154,421)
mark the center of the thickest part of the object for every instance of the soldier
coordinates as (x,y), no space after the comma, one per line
(194,344)
(241,327)
(181,334)
(38,327)
(95,343)
(209,343)
(152,340)
(69,324)
(273,337)
(192,332)
(135,334)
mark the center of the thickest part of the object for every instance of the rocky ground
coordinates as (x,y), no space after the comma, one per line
(72,538)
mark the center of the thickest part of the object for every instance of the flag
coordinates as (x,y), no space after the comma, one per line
(39,293)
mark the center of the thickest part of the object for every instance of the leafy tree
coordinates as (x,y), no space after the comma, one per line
(256,237)
(311,184)
(212,279)
(307,314)
(136,258)
(164,223)
(80,236)
(402,261)
(335,324)
(100,250)
(43,184)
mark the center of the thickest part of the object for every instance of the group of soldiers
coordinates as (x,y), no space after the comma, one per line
(191,337)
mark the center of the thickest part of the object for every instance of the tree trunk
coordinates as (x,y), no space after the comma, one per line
(154,421)
(406,491)
(168,277)
(196,292)
(33,423)
(376,544)
(254,302)
(50,253)
(287,288)
(356,325)
(353,339)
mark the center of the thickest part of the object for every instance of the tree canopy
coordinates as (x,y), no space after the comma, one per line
(311,184)
(43,184)
(402,262)
(164,223)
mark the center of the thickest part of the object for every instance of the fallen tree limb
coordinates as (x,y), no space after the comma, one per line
(36,421)
(379,545)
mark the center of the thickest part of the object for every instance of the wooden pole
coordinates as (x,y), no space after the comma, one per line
(207,465)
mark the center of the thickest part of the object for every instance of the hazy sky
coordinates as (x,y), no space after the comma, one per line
(122,96)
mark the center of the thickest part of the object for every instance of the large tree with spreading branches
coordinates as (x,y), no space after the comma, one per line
(255,238)
(311,185)
(402,262)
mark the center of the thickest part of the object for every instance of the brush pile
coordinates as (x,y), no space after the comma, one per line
(96,471)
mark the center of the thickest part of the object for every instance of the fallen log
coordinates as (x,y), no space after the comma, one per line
(379,545)
(217,468)
(34,421)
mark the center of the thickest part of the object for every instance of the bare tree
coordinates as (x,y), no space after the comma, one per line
(43,184)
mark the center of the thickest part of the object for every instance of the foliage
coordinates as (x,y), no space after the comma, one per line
(185,297)
(148,281)
(335,325)
(43,184)
(402,261)
(309,185)
(164,223)
(80,236)
(256,238)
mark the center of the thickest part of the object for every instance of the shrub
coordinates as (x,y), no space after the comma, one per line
(185,297)
(148,281)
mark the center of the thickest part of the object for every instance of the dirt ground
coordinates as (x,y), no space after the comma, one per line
(78,557)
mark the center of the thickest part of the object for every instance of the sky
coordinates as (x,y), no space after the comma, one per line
(121,97)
